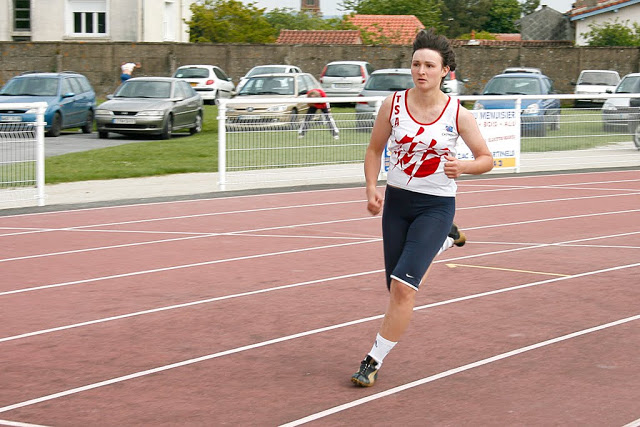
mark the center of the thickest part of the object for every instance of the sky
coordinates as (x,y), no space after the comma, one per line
(330,7)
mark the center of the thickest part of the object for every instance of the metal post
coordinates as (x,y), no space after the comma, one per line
(518,109)
(222,145)
(40,196)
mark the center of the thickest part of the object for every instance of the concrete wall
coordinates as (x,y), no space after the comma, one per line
(100,62)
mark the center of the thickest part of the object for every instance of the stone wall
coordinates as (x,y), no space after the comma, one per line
(100,62)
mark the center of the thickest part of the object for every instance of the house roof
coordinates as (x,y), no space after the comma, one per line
(601,6)
(398,29)
(319,37)
(508,37)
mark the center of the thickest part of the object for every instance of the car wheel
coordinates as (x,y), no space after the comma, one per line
(103,134)
(168,128)
(56,125)
(88,126)
(197,127)
(216,98)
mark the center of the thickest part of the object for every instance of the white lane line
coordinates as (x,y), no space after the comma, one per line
(457,370)
(635,423)
(177,267)
(18,424)
(288,338)
(248,293)
(177,239)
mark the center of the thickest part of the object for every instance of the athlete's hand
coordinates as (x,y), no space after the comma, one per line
(374,201)
(453,167)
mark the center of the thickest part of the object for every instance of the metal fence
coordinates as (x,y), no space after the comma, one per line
(22,156)
(266,150)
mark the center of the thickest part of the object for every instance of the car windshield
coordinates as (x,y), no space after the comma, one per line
(343,70)
(629,85)
(144,89)
(268,86)
(267,69)
(513,86)
(389,82)
(31,86)
(595,78)
(192,73)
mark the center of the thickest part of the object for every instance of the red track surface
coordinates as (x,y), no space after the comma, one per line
(256,310)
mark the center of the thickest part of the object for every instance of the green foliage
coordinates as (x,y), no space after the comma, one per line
(502,16)
(289,19)
(613,34)
(229,21)
(480,35)
(529,6)
(427,11)
(462,16)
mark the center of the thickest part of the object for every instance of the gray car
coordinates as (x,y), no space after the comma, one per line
(151,106)
(381,83)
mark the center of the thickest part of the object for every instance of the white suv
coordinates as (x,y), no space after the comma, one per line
(595,82)
(345,78)
(207,80)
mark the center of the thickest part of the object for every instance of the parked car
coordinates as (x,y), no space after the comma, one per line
(381,83)
(208,80)
(345,78)
(284,85)
(267,69)
(618,113)
(537,114)
(594,82)
(71,101)
(533,70)
(152,106)
(453,84)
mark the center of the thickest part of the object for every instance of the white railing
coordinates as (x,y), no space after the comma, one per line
(22,155)
(268,152)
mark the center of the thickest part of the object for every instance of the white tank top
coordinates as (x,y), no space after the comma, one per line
(417,150)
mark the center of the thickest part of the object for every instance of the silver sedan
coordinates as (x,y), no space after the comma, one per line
(152,106)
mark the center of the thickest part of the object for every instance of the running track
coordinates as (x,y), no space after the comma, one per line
(256,310)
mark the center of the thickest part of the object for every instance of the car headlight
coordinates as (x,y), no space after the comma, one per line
(609,106)
(103,112)
(277,108)
(478,106)
(531,109)
(159,113)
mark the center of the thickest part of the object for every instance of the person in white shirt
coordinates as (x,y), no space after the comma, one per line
(420,126)
(127,70)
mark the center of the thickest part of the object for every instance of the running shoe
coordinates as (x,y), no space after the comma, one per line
(459,238)
(367,374)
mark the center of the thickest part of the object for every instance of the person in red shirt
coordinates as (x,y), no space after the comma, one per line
(326,114)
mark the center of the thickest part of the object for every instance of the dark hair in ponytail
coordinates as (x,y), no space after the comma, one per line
(428,39)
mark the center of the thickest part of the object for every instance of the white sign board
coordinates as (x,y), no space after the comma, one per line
(501,131)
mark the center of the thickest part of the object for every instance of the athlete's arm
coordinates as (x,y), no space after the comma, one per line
(372,158)
(483,160)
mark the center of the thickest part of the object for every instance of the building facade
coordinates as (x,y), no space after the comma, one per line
(95,20)
(598,12)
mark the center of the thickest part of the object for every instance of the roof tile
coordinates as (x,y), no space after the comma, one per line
(399,29)
(319,37)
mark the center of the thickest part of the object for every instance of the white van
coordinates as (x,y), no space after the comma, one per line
(595,82)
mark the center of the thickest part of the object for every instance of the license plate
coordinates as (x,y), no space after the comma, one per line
(10,119)
(343,85)
(194,84)
(124,121)
(249,117)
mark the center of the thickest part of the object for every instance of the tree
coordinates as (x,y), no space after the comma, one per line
(529,6)
(427,11)
(229,21)
(613,34)
(289,19)
(462,16)
(503,16)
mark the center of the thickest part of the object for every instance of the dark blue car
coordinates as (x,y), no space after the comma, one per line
(537,114)
(71,101)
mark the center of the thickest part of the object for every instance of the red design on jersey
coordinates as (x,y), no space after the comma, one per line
(416,158)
